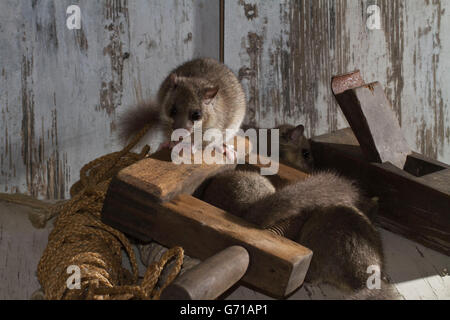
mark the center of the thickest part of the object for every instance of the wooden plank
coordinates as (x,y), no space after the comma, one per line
(414,206)
(162,179)
(278,266)
(21,247)
(147,176)
(440,180)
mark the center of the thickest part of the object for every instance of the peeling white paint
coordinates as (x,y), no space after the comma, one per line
(62,90)
(304,43)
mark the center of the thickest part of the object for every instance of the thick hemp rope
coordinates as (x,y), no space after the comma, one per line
(80,239)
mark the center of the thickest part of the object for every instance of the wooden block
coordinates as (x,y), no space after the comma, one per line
(211,278)
(372,119)
(414,202)
(151,200)
(162,179)
(277,265)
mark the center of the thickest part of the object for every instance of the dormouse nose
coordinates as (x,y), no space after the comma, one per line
(196,115)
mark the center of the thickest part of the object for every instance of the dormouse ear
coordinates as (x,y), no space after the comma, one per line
(173,80)
(297,132)
(210,93)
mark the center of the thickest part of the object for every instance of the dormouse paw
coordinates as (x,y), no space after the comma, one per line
(229,152)
(165,145)
(186,146)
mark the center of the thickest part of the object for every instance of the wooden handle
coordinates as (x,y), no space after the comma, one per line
(209,279)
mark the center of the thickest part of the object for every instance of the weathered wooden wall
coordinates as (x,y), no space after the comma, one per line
(62,90)
(286,52)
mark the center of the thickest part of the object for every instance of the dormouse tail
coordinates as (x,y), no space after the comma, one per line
(135,119)
(319,191)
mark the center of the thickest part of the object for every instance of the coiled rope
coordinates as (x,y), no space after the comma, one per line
(80,239)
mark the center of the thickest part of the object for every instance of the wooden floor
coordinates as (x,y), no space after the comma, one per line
(418,272)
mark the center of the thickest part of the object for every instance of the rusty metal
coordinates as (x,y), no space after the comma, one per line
(346,81)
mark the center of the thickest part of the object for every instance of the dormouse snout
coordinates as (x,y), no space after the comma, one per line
(187,121)
(196,115)
(201,94)
(187,125)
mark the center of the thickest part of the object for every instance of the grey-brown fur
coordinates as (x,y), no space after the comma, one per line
(344,243)
(333,225)
(235,191)
(295,149)
(204,85)
(318,191)
(136,118)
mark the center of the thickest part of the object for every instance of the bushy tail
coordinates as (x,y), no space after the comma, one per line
(136,118)
(319,191)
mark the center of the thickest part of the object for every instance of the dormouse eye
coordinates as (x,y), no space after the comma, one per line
(196,115)
(173,111)
(306,154)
